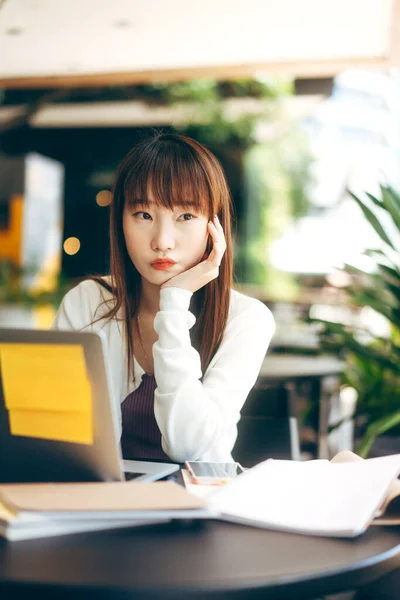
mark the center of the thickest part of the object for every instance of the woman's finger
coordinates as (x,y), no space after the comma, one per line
(219,245)
(217,228)
(218,224)
(213,229)
(215,234)
(218,234)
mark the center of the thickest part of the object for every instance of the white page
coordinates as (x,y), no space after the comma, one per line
(110,515)
(315,497)
(56,528)
(196,489)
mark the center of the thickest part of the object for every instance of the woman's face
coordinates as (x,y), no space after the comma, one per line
(153,233)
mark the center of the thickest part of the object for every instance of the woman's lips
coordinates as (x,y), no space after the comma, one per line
(162,265)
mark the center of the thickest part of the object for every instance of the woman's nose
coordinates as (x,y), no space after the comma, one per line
(163,238)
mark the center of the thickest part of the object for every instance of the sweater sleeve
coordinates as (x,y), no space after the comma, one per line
(193,415)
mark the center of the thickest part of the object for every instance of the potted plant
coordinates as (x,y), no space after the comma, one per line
(373,359)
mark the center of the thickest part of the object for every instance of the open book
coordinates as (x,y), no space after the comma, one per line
(319,497)
(389,511)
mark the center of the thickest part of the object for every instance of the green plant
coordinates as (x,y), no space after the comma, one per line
(210,119)
(276,178)
(272,177)
(373,360)
(13,290)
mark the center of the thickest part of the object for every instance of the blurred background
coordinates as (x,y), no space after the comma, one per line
(300,101)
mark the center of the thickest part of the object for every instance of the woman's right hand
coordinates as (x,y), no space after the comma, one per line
(208,269)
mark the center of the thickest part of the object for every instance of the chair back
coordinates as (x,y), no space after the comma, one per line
(260,438)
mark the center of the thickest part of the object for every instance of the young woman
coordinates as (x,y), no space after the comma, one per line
(185,349)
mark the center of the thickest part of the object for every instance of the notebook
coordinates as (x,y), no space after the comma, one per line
(15,527)
(112,500)
(39,510)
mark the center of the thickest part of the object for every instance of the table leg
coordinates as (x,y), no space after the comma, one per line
(328,386)
(291,393)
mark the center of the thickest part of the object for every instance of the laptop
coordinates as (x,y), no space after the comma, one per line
(31,459)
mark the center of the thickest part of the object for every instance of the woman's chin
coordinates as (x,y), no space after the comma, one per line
(157,277)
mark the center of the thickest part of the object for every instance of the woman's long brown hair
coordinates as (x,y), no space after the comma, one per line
(175,168)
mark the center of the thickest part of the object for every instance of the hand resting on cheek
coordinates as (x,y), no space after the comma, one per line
(208,269)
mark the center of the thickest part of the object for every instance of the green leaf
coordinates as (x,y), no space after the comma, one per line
(376,297)
(396,315)
(381,303)
(373,221)
(389,274)
(375,200)
(352,270)
(392,204)
(374,252)
(345,339)
(377,428)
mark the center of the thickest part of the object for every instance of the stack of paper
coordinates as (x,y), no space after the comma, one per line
(15,527)
(41,510)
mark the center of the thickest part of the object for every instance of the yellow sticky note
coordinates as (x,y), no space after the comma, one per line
(47,391)
(62,426)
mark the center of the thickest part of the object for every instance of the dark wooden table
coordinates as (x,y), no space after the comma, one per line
(205,560)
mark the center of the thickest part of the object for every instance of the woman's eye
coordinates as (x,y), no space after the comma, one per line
(187,217)
(142,215)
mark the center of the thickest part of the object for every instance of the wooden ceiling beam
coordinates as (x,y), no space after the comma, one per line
(394,50)
(317,68)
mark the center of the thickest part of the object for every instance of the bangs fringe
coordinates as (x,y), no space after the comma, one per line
(172,176)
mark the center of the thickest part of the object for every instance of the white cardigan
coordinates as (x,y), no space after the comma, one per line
(197,419)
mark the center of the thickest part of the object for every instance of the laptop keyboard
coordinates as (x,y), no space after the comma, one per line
(129,475)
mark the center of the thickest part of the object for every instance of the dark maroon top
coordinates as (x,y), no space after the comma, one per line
(141,437)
